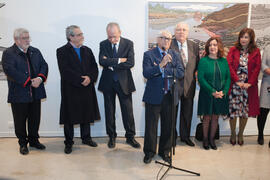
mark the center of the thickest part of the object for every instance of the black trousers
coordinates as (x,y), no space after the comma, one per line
(126,110)
(69,133)
(30,113)
(186,111)
(152,113)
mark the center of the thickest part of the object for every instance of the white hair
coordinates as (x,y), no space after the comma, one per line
(112,24)
(18,32)
(164,32)
(70,31)
(183,24)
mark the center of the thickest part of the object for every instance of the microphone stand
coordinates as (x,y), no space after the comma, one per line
(172,151)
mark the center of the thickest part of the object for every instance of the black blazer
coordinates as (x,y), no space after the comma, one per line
(188,83)
(125,50)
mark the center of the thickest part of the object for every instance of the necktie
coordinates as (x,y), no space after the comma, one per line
(184,58)
(115,77)
(166,83)
(114,51)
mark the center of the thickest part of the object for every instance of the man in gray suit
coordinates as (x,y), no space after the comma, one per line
(189,54)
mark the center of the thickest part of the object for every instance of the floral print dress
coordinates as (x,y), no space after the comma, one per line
(238,99)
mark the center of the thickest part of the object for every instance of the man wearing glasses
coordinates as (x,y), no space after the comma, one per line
(158,67)
(116,55)
(26,72)
(79,72)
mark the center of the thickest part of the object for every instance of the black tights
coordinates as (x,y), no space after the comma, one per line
(210,120)
(261,120)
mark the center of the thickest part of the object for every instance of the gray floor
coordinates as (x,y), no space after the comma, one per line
(250,161)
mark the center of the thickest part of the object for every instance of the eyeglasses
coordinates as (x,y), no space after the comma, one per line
(165,38)
(25,38)
(78,35)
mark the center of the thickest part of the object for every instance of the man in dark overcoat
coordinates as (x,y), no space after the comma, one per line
(79,72)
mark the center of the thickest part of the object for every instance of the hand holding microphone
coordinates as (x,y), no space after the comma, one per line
(166,59)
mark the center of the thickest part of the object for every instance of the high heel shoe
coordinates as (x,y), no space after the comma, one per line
(213,145)
(233,142)
(205,145)
(260,140)
(240,142)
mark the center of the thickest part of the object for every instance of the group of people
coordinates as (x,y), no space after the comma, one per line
(228,87)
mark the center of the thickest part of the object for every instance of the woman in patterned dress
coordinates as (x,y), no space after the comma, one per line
(244,60)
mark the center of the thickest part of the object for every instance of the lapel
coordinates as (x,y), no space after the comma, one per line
(157,56)
(120,47)
(174,46)
(75,59)
(109,48)
(191,56)
(251,56)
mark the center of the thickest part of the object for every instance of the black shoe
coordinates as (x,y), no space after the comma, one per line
(260,140)
(68,149)
(205,145)
(188,142)
(90,142)
(213,145)
(133,143)
(269,144)
(37,145)
(147,158)
(111,143)
(165,157)
(24,149)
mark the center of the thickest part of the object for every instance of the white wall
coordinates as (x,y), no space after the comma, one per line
(47,20)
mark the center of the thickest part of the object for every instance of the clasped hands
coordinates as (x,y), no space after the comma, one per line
(243,85)
(218,94)
(35,82)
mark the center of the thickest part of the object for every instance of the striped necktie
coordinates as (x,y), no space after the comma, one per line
(183,56)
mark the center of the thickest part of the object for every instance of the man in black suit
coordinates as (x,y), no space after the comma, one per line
(79,72)
(116,55)
(189,53)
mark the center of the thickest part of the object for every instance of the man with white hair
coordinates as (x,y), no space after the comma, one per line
(26,72)
(189,53)
(158,65)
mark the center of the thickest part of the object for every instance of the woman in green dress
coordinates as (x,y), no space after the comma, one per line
(214,79)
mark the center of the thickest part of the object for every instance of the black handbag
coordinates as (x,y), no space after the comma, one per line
(199,132)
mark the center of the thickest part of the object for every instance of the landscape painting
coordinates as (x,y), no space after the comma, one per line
(260,22)
(204,19)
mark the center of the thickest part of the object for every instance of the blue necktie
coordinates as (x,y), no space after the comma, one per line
(115,78)
(114,51)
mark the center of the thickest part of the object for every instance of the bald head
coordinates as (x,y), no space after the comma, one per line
(181,32)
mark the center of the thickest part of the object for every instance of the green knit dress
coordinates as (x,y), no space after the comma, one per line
(213,75)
